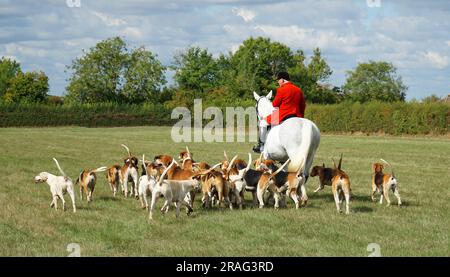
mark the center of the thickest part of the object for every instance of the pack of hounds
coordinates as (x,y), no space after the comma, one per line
(224,183)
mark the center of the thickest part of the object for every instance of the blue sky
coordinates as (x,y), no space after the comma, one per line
(413,35)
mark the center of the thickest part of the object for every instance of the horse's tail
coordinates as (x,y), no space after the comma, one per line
(302,152)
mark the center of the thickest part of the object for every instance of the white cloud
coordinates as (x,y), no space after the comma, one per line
(16,49)
(108,20)
(234,48)
(132,32)
(436,60)
(413,35)
(246,14)
(309,38)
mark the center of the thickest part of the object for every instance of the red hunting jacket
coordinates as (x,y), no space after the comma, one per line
(290,101)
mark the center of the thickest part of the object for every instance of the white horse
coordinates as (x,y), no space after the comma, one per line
(296,138)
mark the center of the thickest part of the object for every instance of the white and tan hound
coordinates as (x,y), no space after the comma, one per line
(59,185)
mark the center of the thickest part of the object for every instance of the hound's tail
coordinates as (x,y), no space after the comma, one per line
(126,148)
(301,155)
(100,169)
(60,169)
(392,169)
(143,165)
(80,178)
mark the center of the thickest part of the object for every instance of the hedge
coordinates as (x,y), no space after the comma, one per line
(88,115)
(374,117)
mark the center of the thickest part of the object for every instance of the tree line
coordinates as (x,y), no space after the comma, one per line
(113,72)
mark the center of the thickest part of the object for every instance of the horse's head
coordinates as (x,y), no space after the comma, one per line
(263,106)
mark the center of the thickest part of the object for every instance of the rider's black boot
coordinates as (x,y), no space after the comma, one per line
(257,148)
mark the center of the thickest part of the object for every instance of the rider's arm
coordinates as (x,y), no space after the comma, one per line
(277,101)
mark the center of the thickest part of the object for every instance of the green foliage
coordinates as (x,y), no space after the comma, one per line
(89,115)
(257,61)
(195,69)
(27,87)
(144,75)
(374,81)
(347,117)
(310,76)
(377,117)
(8,70)
(109,72)
(432,99)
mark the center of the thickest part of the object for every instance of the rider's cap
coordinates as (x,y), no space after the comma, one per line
(283,75)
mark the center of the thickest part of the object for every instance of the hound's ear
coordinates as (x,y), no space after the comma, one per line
(373,167)
(269,95)
(323,164)
(256,96)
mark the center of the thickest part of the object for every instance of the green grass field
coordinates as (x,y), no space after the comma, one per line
(118,227)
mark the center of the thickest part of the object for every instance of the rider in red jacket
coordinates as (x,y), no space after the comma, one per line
(290,102)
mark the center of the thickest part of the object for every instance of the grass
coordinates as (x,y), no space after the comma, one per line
(118,227)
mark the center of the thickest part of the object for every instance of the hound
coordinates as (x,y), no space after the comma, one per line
(237,182)
(212,183)
(384,182)
(267,182)
(185,154)
(146,184)
(129,172)
(163,159)
(113,178)
(174,191)
(340,186)
(264,165)
(177,173)
(325,174)
(238,163)
(87,180)
(59,185)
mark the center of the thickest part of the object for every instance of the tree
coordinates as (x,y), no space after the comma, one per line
(257,61)
(432,99)
(195,69)
(28,87)
(374,81)
(144,75)
(110,72)
(8,70)
(310,77)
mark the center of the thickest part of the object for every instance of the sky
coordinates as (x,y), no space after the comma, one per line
(414,35)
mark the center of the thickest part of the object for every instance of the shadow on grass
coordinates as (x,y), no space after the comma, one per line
(354,197)
(361,198)
(362,209)
(108,198)
(406,204)
(89,207)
